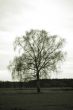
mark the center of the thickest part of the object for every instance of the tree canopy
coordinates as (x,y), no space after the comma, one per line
(38,52)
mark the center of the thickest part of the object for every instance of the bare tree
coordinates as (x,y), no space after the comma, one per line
(40,53)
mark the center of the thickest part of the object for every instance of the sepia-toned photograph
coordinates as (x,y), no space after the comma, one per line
(36,54)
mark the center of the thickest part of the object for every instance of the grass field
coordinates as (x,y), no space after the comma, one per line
(28,99)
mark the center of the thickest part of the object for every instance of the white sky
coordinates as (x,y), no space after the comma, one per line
(18,16)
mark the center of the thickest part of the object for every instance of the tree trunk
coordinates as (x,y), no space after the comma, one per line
(38,83)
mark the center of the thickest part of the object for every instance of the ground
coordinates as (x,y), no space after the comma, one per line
(28,99)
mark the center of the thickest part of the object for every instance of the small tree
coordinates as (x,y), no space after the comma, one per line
(40,53)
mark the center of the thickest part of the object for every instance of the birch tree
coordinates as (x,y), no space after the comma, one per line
(40,54)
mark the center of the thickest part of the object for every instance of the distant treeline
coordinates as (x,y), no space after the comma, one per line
(43,83)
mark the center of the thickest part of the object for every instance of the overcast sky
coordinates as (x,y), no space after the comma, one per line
(18,16)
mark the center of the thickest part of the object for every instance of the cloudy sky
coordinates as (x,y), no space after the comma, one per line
(18,16)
